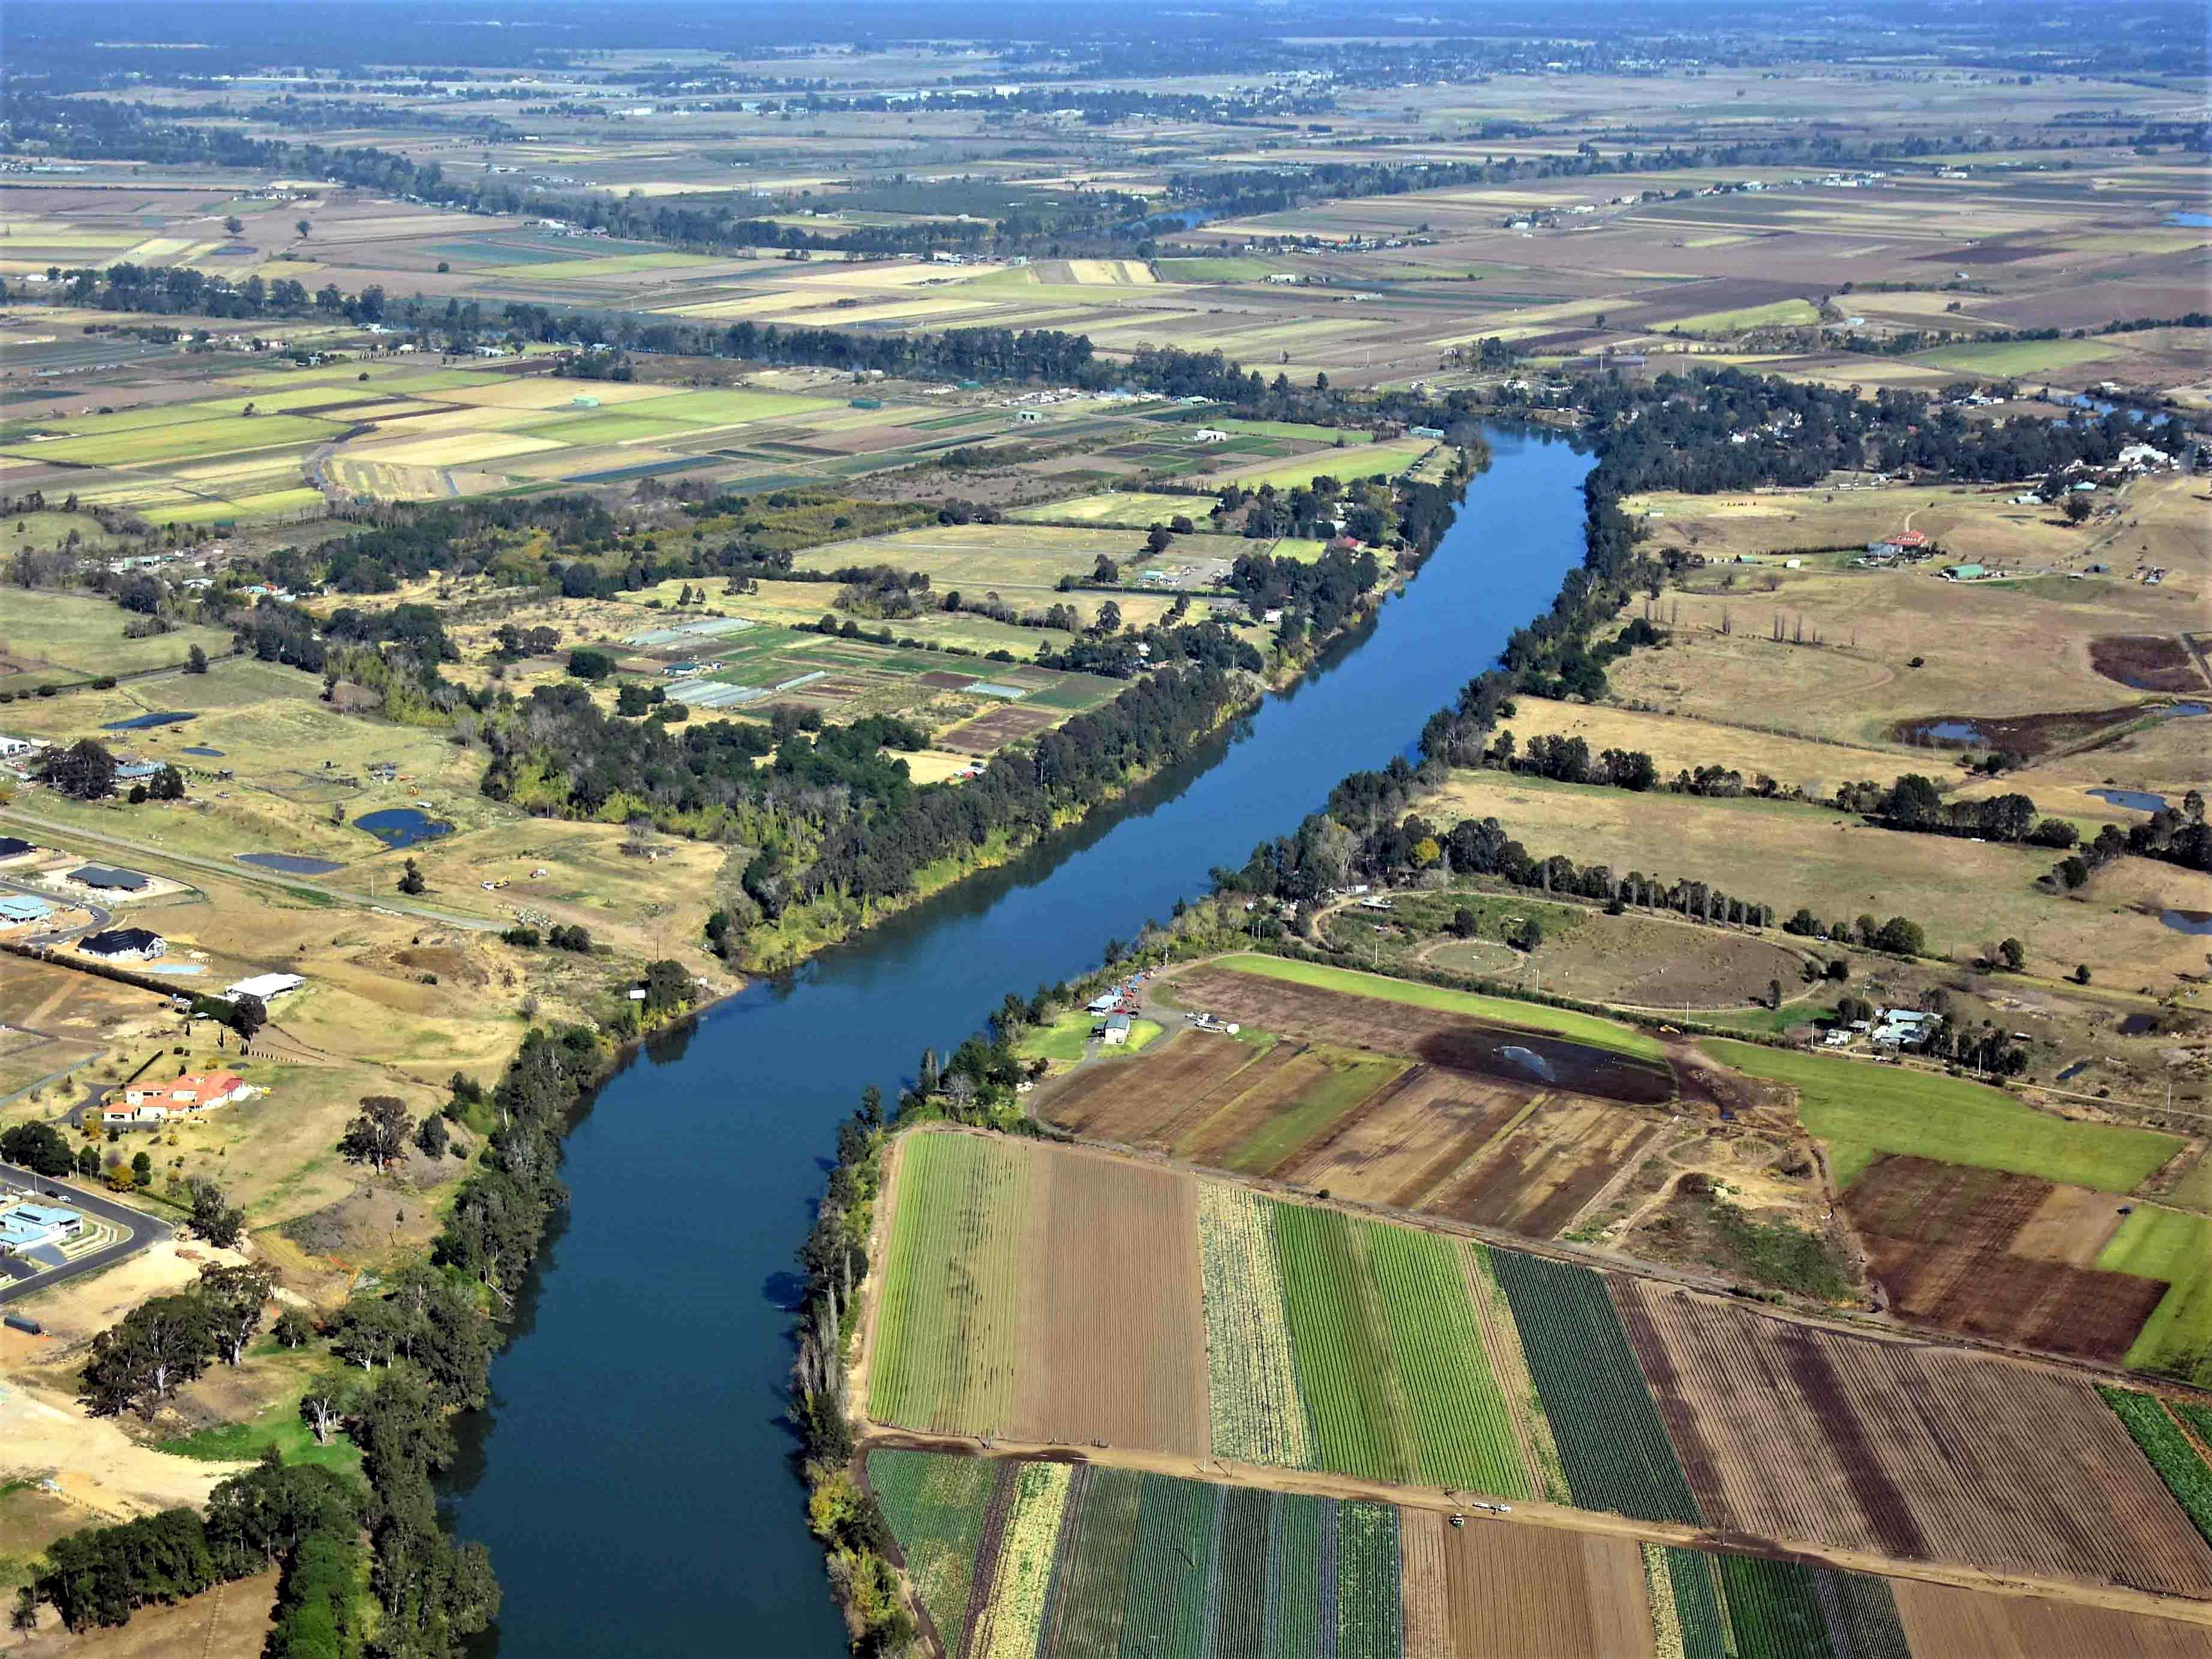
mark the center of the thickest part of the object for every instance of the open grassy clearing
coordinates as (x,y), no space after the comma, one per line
(1967,896)
(1582,1027)
(1863,1110)
(2175,1246)
(1357,458)
(48,637)
(1779,313)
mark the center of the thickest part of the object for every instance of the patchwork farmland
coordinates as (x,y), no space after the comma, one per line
(1053,1559)
(1224,1323)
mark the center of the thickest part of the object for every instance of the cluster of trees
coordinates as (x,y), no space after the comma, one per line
(2178,836)
(1323,593)
(181,291)
(1900,935)
(39,1148)
(139,1362)
(307,1518)
(834,812)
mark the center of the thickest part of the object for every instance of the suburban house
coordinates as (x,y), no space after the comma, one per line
(27,1226)
(20,907)
(124,945)
(105,879)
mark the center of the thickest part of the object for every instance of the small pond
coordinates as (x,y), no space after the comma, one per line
(1944,731)
(202,748)
(2183,710)
(141,722)
(2133,800)
(2192,221)
(2137,1024)
(289,863)
(402,826)
(2187,921)
(2075,1070)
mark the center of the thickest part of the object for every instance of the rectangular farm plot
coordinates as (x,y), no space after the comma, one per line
(1405,1140)
(1968,1624)
(1993,1253)
(1113,1329)
(1133,1104)
(1905,1450)
(1295,1095)
(946,1336)
(1481,1590)
(1545,1170)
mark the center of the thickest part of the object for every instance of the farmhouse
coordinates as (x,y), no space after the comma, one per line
(193,1091)
(102,878)
(124,945)
(1903,1028)
(265,986)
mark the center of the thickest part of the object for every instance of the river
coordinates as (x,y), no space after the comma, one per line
(631,1477)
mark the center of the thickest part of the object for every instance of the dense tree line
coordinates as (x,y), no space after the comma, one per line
(307,1518)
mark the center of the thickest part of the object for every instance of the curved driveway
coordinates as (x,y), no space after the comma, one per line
(19,1278)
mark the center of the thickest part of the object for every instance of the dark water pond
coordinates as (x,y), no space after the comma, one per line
(1944,731)
(2187,921)
(631,1477)
(141,722)
(402,826)
(2133,800)
(2193,221)
(289,863)
(202,749)
(2137,1024)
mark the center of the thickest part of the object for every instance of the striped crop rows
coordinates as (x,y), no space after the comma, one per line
(1743,1606)
(944,1345)
(1351,1346)
(1612,1442)
(1074,1562)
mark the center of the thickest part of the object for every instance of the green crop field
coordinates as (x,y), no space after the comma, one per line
(1862,1111)
(1498,1010)
(934,1506)
(1781,313)
(1129,509)
(2014,356)
(944,1338)
(1612,1442)
(1214,270)
(2156,1242)
(180,441)
(1084,1561)
(1389,1365)
(2169,1451)
(1360,459)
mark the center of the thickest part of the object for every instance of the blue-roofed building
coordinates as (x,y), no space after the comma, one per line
(33,1226)
(17,907)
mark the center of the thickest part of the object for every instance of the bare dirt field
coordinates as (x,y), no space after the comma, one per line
(1113,1323)
(1997,1255)
(1971,1624)
(1404,1142)
(1133,1104)
(1904,1450)
(1475,1591)
(1540,1177)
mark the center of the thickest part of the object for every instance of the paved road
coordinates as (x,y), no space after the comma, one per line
(20,1279)
(251,873)
(101,917)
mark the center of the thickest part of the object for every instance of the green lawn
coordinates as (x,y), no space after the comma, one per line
(2176,1340)
(1215,271)
(279,1426)
(1780,313)
(1357,459)
(1500,1010)
(1862,1111)
(1063,1040)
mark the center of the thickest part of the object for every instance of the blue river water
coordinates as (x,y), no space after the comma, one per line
(632,1475)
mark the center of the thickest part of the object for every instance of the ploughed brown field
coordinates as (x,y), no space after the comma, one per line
(1787,1431)
(1111,1292)
(1485,1590)
(1433,1139)
(1966,1624)
(1312,1014)
(2001,1255)
(987,734)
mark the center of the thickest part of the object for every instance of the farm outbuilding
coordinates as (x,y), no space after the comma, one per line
(15,846)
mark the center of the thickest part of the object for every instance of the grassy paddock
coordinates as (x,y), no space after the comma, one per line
(1864,1110)
(1499,1010)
